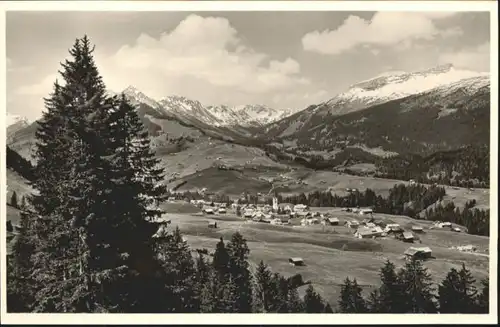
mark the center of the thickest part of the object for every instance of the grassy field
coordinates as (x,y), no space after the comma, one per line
(327,264)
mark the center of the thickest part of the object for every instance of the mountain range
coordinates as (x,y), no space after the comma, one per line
(438,109)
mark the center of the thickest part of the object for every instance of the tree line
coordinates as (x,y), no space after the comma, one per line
(477,221)
(410,290)
(18,164)
(467,166)
(407,200)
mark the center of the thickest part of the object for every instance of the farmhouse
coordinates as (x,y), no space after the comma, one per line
(296,261)
(249,213)
(364,232)
(467,248)
(212,224)
(209,211)
(299,208)
(366,211)
(333,221)
(445,225)
(417,229)
(393,228)
(407,237)
(352,224)
(418,253)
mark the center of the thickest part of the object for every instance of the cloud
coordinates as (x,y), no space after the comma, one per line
(476,58)
(384,29)
(204,49)
(42,88)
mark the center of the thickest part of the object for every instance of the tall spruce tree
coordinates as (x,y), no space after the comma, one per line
(457,293)
(178,264)
(240,273)
(13,200)
(313,303)
(417,290)
(93,215)
(388,297)
(262,292)
(483,299)
(21,287)
(351,300)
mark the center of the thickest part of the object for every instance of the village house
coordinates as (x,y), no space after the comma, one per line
(364,232)
(418,253)
(467,248)
(296,261)
(417,229)
(407,237)
(208,210)
(300,208)
(333,221)
(352,224)
(222,210)
(366,211)
(212,224)
(444,225)
(393,228)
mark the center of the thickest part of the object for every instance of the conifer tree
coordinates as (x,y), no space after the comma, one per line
(13,200)
(95,193)
(351,300)
(483,299)
(240,273)
(313,303)
(457,293)
(416,286)
(178,264)
(389,294)
(262,291)
(20,284)
(295,304)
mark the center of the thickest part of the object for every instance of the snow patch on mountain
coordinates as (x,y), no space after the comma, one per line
(12,119)
(395,85)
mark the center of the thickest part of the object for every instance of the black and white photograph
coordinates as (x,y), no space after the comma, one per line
(195,157)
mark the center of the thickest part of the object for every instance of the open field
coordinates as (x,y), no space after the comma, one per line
(327,265)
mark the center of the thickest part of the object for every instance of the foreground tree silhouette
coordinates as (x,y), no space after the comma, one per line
(483,299)
(313,303)
(351,300)
(417,289)
(13,200)
(239,269)
(457,293)
(95,179)
(387,299)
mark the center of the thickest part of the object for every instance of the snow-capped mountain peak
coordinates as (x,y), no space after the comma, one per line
(219,115)
(394,85)
(13,119)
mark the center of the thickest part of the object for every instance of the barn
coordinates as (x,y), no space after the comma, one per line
(418,253)
(333,221)
(296,261)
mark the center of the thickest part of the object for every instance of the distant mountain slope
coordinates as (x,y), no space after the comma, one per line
(219,116)
(446,117)
(15,123)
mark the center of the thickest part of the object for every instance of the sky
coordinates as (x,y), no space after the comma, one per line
(280,59)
